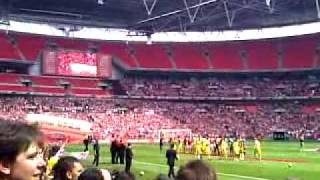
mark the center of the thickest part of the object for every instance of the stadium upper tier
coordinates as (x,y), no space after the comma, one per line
(296,53)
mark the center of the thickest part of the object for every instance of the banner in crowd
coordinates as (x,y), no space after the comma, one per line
(61,129)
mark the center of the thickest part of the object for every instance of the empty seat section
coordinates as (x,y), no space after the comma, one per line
(299,53)
(105,93)
(31,46)
(87,92)
(49,90)
(120,51)
(81,91)
(77,82)
(100,92)
(152,56)
(189,57)
(7,50)
(261,56)
(9,78)
(13,88)
(226,57)
(44,81)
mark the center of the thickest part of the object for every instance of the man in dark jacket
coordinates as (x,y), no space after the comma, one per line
(86,143)
(113,151)
(161,143)
(171,155)
(96,150)
(121,152)
(129,157)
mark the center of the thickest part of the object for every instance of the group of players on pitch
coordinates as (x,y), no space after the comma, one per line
(226,148)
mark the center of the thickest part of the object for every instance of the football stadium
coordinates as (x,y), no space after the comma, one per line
(160,89)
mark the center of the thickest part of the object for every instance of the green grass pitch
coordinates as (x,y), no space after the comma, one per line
(277,157)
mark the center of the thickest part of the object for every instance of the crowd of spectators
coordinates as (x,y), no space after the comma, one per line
(142,119)
(221,87)
(23,155)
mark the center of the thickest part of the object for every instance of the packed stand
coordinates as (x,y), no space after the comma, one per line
(139,119)
(220,87)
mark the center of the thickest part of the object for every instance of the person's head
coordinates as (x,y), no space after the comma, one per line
(125,176)
(20,157)
(95,174)
(67,168)
(171,146)
(162,177)
(129,145)
(196,170)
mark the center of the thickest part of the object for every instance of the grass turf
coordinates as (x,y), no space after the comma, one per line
(276,157)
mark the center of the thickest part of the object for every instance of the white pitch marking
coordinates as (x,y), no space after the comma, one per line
(222,174)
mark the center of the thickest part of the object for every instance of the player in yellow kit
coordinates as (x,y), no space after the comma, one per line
(180,148)
(193,149)
(197,146)
(206,147)
(257,149)
(242,148)
(236,150)
(224,148)
(175,143)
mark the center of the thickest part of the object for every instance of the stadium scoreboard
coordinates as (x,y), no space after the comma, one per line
(76,63)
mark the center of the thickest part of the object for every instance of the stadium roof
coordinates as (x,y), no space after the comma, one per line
(164,15)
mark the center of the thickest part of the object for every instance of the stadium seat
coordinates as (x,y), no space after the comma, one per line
(188,56)
(152,56)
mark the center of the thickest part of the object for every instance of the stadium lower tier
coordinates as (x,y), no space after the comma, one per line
(141,119)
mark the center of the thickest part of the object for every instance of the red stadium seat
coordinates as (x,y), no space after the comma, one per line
(120,51)
(82,82)
(9,78)
(13,88)
(188,56)
(44,80)
(152,56)
(299,53)
(226,57)
(49,90)
(31,46)
(86,92)
(261,55)
(7,50)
